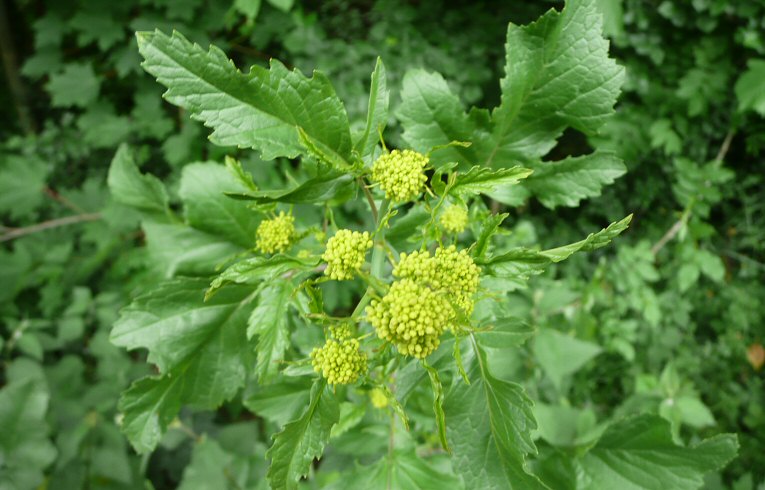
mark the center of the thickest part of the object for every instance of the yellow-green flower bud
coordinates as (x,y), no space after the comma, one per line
(340,331)
(448,271)
(276,235)
(345,253)
(400,174)
(411,317)
(339,362)
(378,398)
(454,219)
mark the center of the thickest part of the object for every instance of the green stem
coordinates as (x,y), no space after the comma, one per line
(378,257)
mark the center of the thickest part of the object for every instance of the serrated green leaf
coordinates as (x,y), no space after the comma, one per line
(489,428)
(557,75)
(402,469)
(433,116)
(303,440)
(519,264)
(182,250)
(260,269)
(438,402)
(505,333)
(750,87)
(279,402)
(261,109)
(270,322)
(331,188)
(489,227)
(208,209)
(638,453)
(377,112)
(199,349)
(25,450)
(482,180)
(592,242)
(569,181)
(128,186)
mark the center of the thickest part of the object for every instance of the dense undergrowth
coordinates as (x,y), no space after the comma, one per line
(666,320)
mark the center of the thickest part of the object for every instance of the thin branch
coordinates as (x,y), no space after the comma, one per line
(669,235)
(47,225)
(678,225)
(725,146)
(370,198)
(61,199)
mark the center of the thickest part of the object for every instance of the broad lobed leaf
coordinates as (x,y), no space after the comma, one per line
(261,109)
(489,424)
(303,440)
(200,349)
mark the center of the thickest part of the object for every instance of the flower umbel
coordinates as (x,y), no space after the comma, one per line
(411,317)
(454,219)
(400,174)
(345,253)
(448,271)
(276,235)
(339,362)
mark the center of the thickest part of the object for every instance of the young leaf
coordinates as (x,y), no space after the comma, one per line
(183,250)
(260,269)
(567,182)
(377,112)
(260,109)
(303,440)
(638,453)
(438,402)
(332,188)
(270,322)
(488,228)
(199,348)
(592,242)
(128,186)
(490,424)
(520,264)
(482,180)
(557,75)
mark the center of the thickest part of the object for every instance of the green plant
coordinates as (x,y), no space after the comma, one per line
(437,302)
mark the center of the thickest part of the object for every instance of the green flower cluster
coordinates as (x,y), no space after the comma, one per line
(400,174)
(454,219)
(276,235)
(340,362)
(410,316)
(345,253)
(450,271)
(341,331)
